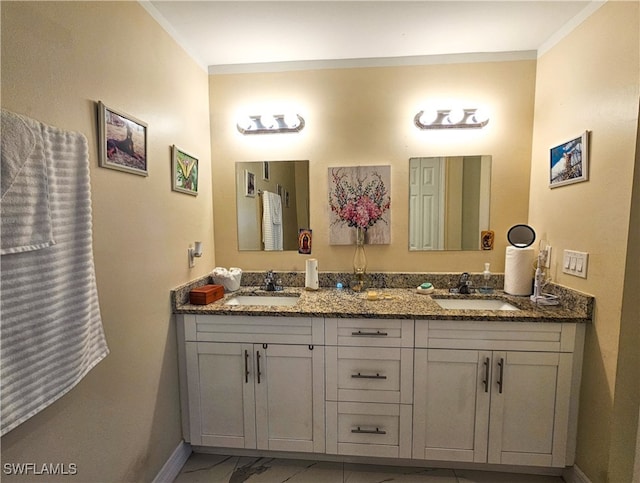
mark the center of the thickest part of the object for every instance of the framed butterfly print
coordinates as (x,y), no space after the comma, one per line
(184,169)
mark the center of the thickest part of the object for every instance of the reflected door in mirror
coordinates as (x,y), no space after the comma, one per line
(448,202)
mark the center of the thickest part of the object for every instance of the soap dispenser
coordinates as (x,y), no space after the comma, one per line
(487,276)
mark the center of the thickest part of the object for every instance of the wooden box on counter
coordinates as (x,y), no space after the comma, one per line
(206,294)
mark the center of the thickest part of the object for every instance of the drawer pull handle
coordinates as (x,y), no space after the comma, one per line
(258,365)
(486,375)
(367,376)
(501,377)
(368,431)
(377,333)
(246,366)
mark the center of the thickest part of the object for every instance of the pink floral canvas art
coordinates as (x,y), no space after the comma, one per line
(359,198)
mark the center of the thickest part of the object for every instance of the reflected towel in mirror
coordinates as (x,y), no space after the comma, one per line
(271,221)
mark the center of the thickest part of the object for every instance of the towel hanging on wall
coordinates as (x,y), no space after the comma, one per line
(51,331)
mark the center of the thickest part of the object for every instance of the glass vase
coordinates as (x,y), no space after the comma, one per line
(359,261)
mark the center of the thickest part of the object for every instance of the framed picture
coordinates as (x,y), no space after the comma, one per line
(360,197)
(279,190)
(304,241)
(122,141)
(249,183)
(569,162)
(184,169)
(265,170)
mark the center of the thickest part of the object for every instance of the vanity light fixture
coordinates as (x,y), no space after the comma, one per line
(271,123)
(194,252)
(450,118)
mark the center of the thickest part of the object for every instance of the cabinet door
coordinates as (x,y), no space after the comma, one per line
(529,408)
(290,397)
(221,394)
(451,404)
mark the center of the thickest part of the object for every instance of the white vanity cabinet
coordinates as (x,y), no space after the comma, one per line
(496,392)
(478,392)
(253,382)
(369,386)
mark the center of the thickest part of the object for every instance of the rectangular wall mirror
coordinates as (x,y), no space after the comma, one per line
(448,202)
(288,180)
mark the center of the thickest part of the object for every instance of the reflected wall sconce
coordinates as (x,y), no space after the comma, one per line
(270,124)
(451,118)
(194,252)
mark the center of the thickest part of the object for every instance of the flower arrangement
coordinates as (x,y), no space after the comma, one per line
(359,205)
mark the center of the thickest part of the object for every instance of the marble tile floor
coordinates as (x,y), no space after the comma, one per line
(209,468)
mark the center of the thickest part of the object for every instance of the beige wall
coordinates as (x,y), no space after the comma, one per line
(364,116)
(590,81)
(123,420)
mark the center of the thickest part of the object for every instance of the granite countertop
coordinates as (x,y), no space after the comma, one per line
(400,303)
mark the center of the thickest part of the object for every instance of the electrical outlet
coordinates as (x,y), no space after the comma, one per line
(575,263)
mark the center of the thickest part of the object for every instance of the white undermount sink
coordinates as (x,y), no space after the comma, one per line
(475,304)
(263,300)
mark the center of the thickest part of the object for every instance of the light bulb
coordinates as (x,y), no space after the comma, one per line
(480,116)
(268,121)
(292,120)
(455,116)
(246,123)
(428,116)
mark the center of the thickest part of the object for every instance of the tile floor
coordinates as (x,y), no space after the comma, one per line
(201,468)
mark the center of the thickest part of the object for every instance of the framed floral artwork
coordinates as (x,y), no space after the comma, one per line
(359,197)
(185,171)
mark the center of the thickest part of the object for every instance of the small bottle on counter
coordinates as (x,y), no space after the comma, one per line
(487,276)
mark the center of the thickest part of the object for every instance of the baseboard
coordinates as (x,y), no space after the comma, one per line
(573,474)
(174,464)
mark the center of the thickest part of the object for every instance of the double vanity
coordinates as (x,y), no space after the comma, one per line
(405,377)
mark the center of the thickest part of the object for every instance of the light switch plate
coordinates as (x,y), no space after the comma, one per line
(575,263)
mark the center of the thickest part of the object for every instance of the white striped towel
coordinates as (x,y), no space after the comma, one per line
(271,226)
(26,216)
(51,331)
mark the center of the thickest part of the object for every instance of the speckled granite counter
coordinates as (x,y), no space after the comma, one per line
(402,303)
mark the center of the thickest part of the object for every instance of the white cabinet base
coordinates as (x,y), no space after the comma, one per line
(500,396)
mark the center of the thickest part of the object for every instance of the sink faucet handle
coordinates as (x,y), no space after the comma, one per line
(269,281)
(464,283)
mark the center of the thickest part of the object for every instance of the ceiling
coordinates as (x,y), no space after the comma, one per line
(231,34)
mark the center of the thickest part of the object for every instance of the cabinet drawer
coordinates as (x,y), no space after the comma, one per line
(479,335)
(369,374)
(369,332)
(250,329)
(369,369)
(368,423)
(368,429)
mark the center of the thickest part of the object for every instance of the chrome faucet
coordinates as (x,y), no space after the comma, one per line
(270,283)
(464,284)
